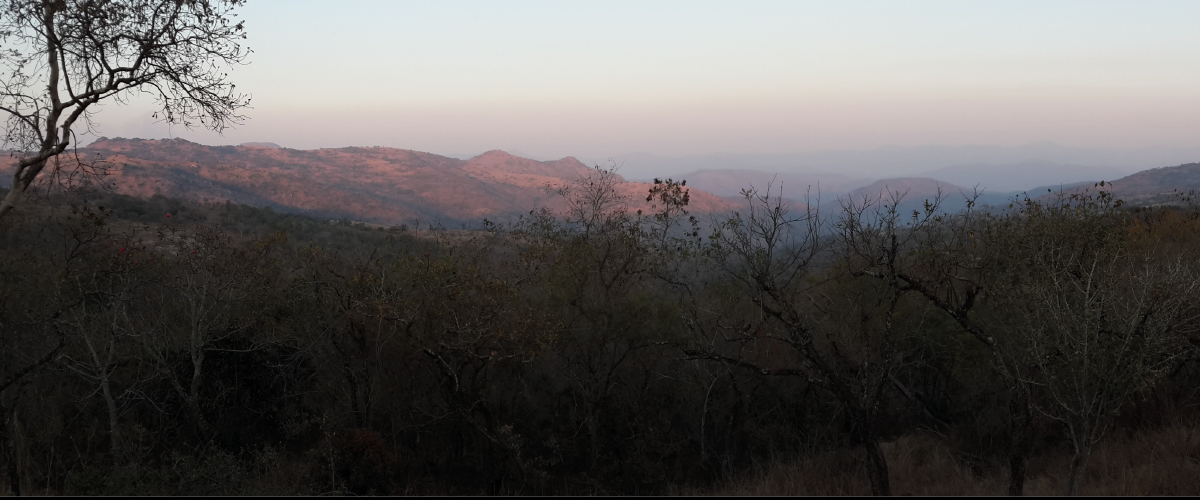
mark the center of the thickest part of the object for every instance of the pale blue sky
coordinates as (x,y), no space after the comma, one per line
(605,78)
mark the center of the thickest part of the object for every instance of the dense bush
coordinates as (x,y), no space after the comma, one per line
(162,346)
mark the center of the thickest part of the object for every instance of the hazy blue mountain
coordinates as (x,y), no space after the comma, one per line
(730,183)
(1024,175)
(890,162)
(912,194)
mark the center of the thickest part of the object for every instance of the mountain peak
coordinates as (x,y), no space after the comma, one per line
(112,143)
(497,154)
(907,186)
(116,144)
(497,161)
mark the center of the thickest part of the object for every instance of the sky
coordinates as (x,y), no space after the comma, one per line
(589,79)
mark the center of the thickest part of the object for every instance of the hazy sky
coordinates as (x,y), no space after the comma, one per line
(673,78)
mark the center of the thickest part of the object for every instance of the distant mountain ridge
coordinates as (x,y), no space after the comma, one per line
(914,161)
(913,192)
(908,187)
(1158,185)
(377,185)
(994,185)
(392,186)
(1015,177)
(1176,185)
(261,145)
(730,183)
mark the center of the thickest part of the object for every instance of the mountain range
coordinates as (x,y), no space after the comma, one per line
(376,185)
(915,161)
(397,186)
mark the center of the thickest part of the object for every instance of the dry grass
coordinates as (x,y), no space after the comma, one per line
(1161,462)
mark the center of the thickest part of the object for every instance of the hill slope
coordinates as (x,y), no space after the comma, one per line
(378,185)
(1016,177)
(1159,185)
(1164,185)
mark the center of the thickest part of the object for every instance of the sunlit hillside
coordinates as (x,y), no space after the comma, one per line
(378,185)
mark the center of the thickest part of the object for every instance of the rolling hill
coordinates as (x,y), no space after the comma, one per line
(1157,186)
(377,185)
(393,186)
(1014,177)
(1165,185)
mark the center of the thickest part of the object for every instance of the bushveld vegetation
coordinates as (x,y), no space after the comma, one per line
(153,346)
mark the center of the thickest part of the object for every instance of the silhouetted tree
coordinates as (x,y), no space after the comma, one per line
(62,57)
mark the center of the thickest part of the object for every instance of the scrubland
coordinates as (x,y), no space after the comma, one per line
(155,346)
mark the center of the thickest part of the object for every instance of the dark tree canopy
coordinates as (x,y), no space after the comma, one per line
(61,57)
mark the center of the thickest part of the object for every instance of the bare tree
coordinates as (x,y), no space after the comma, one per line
(208,297)
(62,57)
(1075,317)
(597,256)
(1094,316)
(841,330)
(942,259)
(100,343)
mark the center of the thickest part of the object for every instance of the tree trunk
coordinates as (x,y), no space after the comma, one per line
(1078,465)
(10,199)
(114,430)
(197,416)
(22,179)
(8,449)
(1016,473)
(193,398)
(736,432)
(359,419)
(594,434)
(1021,445)
(191,401)
(877,469)
(14,477)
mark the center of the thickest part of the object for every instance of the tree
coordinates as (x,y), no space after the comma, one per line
(942,260)
(63,57)
(98,339)
(841,330)
(209,294)
(1093,316)
(1076,317)
(596,259)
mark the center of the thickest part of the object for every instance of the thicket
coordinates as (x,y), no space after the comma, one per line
(155,346)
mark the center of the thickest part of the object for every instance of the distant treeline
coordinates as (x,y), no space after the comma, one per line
(158,346)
